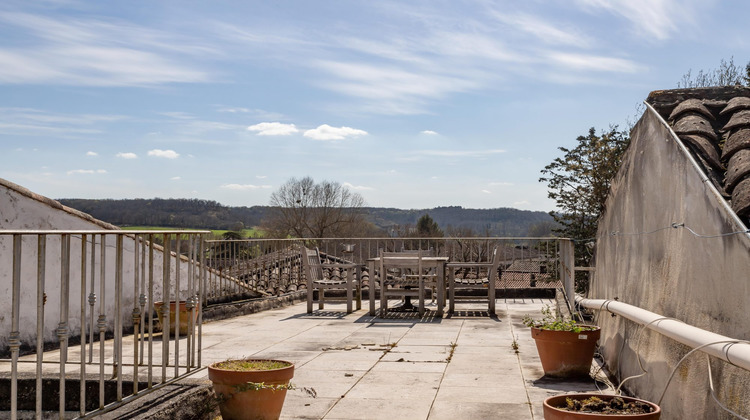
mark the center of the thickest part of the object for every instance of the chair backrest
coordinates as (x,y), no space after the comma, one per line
(311,263)
(495,264)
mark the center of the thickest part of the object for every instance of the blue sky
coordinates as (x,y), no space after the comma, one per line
(413,104)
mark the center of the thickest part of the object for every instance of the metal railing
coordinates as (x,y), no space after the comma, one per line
(94,287)
(273,265)
(96,297)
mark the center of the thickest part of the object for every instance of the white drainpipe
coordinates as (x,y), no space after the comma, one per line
(737,354)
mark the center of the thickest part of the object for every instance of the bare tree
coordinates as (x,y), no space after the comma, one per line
(727,74)
(303,209)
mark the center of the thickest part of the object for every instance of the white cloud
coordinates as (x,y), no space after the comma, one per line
(90,153)
(487,191)
(261,176)
(168,154)
(86,171)
(356,187)
(521,203)
(273,129)
(244,187)
(500,184)
(429,132)
(127,155)
(175,178)
(326,132)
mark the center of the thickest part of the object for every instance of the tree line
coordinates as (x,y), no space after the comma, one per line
(379,221)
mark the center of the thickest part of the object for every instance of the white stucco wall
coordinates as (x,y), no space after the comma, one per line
(701,281)
(21,209)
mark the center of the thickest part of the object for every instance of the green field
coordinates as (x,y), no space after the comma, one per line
(246,233)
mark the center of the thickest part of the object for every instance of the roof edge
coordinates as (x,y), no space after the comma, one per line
(56,204)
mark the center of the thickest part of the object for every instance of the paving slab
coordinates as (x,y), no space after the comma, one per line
(465,366)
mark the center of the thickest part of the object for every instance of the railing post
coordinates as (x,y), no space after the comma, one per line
(567,270)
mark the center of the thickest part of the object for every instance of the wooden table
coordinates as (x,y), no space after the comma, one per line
(410,262)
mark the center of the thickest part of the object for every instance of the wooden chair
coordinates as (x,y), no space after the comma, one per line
(479,282)
(317,280)
(402,275)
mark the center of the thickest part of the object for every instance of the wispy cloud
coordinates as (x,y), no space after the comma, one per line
(93,52)
(127,155)
(36,122)
(175,178)
(543,30)
(486,191)
(86,171)
(273,129)
(500,184)
(92,154)
(326,132)
(588,62)
(168,154)
(660,19)
(244,187)
(429,132)
(460,153)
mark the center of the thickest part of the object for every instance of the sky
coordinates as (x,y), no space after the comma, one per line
(412,104)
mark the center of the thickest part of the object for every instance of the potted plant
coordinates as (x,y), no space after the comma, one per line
(598,406)
(565,347)
(251,388)
(175,307)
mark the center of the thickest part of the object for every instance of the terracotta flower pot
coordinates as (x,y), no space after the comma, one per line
(237,401)
(184,316)
(565,353)
(553,412)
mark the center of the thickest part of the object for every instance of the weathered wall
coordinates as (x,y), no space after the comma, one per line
(22,209)
(701,281)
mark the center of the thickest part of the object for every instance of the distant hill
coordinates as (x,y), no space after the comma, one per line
(206,214)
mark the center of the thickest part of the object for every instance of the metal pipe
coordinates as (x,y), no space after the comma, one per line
(737,354)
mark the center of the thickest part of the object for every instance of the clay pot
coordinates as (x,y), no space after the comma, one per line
(236,403)
(184,316)
(566,353)
(551,412)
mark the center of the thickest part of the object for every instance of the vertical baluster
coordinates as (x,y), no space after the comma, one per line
(117,368)
(102,321)
(142,297)
(201,291)
(92,299)
(189,302)
(166,262)
(14,340)
(82,399)
(62,327)
(177,306)
(150,309)
(41,265)
(136,310)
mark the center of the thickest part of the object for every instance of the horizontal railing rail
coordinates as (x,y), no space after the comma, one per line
(97,286)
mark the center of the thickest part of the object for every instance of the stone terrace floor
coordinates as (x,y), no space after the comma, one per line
(402,367)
